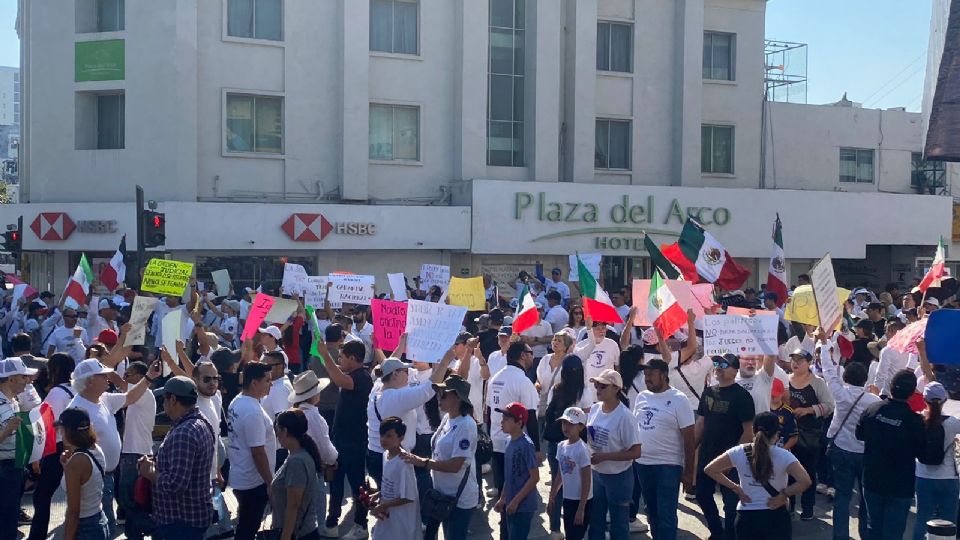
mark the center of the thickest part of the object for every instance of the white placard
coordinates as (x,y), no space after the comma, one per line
(431,329)
(434,274)
(316,291)
(221,279)
(281,310)
(398,285)
(294,279)
(739,335)
(143,306)
(351,289)
(824,284)
(590,260)
(171,326)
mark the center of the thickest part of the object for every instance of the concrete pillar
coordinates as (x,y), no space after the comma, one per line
(581,112)
(689,94)
(546,23)
(471,88)
(355,97)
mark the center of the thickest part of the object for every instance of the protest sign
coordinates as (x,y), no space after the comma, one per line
(258,311)
(316,291)
(143,306)
(281,310)
(166,277)
(467,292)
(389,322)
(746,312)
(942,336)
(590,260)
(703,292)
(802,308)
(641,297)
(434,274)
(906,340)
(351,289)
(294,279)
(398,286)
(171,325)
(739,335)
(681,291)
(829,307)
(221,279)
(431,329)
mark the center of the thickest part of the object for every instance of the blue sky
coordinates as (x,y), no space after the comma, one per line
(875,50)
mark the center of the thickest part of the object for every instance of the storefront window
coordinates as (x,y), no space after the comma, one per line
(246,271)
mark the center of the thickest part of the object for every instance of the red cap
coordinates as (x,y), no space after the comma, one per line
(107,337)
(777,389)
(516,410)
(916,402)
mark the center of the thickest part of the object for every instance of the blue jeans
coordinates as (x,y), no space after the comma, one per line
(935,498)
(554,467)
(92,528)
(179,531)
(706,487)
(11,478)
(611,493)
(636,498)
(847,470)
(518,525)
(661,493)
(107,499)
(455,527)
(887,515)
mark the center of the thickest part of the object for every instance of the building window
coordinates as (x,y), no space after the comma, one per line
(719,52)
(856,165)
(255,19)
(99,120)
(254,124)
(615,47)
(613,145)
(927,176)
(505,83)
(393,26)
(99,16)
(394,132)
(716,149)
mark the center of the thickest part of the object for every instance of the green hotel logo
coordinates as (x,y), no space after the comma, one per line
(99,60)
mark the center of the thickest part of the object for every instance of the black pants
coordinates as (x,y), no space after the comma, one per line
(496,465)
(350,469)
(51,472)
(705,490)
(764,524)
(250,506)
(808,458)
(570,530)
(375,467)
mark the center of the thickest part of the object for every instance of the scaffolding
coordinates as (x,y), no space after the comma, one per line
(785,71)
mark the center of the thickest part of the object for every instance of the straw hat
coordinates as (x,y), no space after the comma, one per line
(305,386)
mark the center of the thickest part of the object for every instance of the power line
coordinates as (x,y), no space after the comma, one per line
(904,81)
(895,77)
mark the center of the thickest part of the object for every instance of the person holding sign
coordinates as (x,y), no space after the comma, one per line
(759,382)
(811,402)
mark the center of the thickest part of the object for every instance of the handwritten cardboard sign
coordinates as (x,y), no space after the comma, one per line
(166,277)
(467,292)
(281,310)
(294,279)
(316,291)
(143,306)
(351,289)
(258,312)
(829,308)
(389,322)
(434,274)
(221,278)
(170,327)
(431,329)
(398,286)
(590,260)
(739,335)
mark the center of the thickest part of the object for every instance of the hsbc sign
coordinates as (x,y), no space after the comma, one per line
(303,227)
(53,226)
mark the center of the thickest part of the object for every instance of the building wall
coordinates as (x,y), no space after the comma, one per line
(7,90)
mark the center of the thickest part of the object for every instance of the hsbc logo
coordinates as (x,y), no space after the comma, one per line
(53,226)
(315,227)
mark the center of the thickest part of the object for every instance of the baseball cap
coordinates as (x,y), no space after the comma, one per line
(89,368)
(456,384)
(482,319)
(463,338)
(74,418)
(935,391)
(608,376)
(496,316)
(178,386)
(390,365)
(505,331)
(516,411)
(777,389)
(657,363)
(556,270)
(932,301)
(730,359)
(802,354)
(107,337)
(273,331)
(14,366)
(574,415)
(106,304)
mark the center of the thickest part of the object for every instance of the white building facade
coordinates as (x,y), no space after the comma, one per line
(431,122)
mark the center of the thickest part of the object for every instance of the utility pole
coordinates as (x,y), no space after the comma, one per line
(141,250)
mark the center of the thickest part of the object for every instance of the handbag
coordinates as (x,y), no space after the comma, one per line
(436,506)
(484,451)
(843,422)
(143,493)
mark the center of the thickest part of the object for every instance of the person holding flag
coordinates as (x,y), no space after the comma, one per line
(777,273)
(115,273)
(13,379)
(937,270)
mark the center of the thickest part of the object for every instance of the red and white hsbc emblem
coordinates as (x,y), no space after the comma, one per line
(53,226)
(315,227)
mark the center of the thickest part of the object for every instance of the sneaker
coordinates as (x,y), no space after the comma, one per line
(329,532)
(25,518)
(638,526)
(822,489)
(493,493)
(690,496)
(356,532)
(806,515)
(831,493)
(485,468)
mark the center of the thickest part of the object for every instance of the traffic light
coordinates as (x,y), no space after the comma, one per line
(13,241)
(154,229)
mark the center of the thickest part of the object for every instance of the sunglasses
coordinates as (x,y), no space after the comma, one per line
(725,361)
(208,380)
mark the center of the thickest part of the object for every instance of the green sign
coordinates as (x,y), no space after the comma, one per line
(99,60)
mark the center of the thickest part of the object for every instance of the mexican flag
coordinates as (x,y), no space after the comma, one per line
(937,269)
(596,303)
(663,308)
(700,257)
(777,273)
(36,437)
(659,261)
(115,273)
(78,289)
(527,314)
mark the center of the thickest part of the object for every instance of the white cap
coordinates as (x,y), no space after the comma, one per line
(932,300)
(89,368)
(574,415)
(14,366)
(272,330)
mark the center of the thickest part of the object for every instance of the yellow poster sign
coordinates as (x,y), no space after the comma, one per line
(802,308)
(166,277)
(468,292)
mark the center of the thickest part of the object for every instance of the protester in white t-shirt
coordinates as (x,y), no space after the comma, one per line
(137,442)
(498,358)
(280,387)
(937,485)
(574,476)
(538,336)
(471,366)
(599,353)
(210,403)
(555,314)
(71,338)
(397,504)
(759,381)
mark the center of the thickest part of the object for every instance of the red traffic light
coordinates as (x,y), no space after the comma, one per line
(15,236)
(157,221)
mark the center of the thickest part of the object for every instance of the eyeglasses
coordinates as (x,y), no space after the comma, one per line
(208,380)
(600,386)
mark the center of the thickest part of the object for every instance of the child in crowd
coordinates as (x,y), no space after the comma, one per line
(397,507)
(519,499)
(788,422)
(574,474)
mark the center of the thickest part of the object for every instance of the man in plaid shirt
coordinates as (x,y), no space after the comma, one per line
(182,501)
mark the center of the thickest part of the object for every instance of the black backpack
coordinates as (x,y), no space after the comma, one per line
(933,452)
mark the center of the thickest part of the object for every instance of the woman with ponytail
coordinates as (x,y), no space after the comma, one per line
(294,489)
(938,486)
(763,468)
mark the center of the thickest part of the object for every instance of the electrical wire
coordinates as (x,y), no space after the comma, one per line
(895,77)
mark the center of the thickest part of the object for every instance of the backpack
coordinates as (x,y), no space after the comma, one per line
(933,451)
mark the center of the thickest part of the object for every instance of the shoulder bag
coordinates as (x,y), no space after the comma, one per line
(436,506)
(843,422)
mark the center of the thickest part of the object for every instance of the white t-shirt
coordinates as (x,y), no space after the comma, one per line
(546,376)
(415,378)
(278,400)
(596,358)
(400,402)
(634,388)
(63,340)
(572,458)
(138,426)
(557,317)
(509,385)
(539,331)
(399,482)
(615,431)
(947,469)
(319,431)
(456,437)
(780,458)
(496,362)
(211,408)
(248,426)
(104,423)
(760,386)
(661,417)
(230,325)
(623,311)
(476,386)
(59,398)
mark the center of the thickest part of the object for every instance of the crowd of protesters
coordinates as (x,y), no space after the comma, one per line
(627,420)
